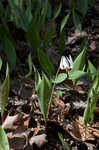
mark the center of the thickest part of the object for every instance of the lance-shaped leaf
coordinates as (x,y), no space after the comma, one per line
(82,5)
(79,61)
(87,114)
(64,22)
(57,11)
(0,63)
(37,78)
(4,145)
(45,62)
(30,66)
(78,74)
(44,93)
(66,145)
(91,69)
(76,20)
(4,90)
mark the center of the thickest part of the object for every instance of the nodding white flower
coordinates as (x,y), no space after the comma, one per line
(66,63)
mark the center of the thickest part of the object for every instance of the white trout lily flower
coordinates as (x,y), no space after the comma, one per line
(66,63)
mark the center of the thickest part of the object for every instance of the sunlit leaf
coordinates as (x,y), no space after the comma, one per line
(44,93)
(91,69)
(64,22)
(59,92)
(79,61)
(78,74)
(4,145)
(37,78)
(0,63)
(60,78)
(4,90)
(30,66)
(87,114)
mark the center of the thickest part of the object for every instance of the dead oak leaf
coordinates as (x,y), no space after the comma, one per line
(39,140)
(9,121)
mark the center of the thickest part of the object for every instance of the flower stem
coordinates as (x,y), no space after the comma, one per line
(52,92)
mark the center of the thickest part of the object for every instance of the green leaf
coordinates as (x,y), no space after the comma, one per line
(66,145)
(57,11)
(28,11)
(19,16)
(4,90)
(60,78)
(86,114)
(37,78)
(0,63)
(9,50)
(59,92)
(77,21)
(32,34)
(64,22)
(44,93)
(45,62)
(79,61)
(48,36)
(91,69)
(43,14)
(77,74)
(92,108)
(49,11)
(30,66)
(8,45)
(4,145)
(82,5)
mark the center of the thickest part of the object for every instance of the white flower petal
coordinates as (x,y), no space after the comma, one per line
(71,61)
(66,62)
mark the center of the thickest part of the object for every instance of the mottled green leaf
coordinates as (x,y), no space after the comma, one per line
(60,78)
